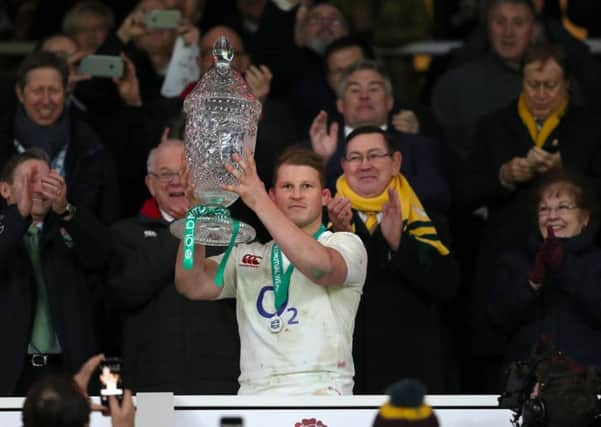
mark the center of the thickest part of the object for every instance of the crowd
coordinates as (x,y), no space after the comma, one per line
(437,239)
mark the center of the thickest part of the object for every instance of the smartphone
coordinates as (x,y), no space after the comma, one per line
(553,147)
(110,379)
(231,422)
(102,66)
(162,19)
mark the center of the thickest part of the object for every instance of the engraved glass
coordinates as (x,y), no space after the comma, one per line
(221,119)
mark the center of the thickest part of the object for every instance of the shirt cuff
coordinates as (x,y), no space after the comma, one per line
(508,186)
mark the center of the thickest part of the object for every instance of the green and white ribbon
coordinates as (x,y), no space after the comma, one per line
(220,214)
(280,279)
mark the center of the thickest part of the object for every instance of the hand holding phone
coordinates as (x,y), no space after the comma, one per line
(110,379)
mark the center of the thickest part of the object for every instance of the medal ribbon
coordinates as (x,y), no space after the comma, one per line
(220,214)
(281,281)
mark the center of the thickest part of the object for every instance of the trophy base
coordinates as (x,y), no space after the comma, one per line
(210,232)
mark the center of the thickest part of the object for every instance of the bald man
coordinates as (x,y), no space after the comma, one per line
(168,342)
(258,78)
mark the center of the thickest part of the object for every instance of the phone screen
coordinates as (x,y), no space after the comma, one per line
(106,66)
(110,379)
(162,19)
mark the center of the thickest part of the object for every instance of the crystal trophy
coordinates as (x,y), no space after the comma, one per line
(221,119)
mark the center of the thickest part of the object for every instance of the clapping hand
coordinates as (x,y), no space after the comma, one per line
(392,222)
(340,213)
(406,121)
(323,141)
(259,81)
(553,252)
(54,189)
(548,257)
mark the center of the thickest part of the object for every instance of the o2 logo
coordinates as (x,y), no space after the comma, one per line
(267,310)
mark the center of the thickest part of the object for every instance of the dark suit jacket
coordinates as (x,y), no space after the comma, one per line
(70,253)
(169,342)
(89,168)
(401,304)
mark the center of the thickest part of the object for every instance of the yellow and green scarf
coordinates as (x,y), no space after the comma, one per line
(540,136)
(416,221)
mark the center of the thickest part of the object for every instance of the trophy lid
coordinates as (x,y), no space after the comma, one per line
(223,89)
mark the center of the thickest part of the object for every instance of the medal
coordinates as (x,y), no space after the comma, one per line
(275,323)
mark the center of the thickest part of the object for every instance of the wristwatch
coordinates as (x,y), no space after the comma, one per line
(69,211)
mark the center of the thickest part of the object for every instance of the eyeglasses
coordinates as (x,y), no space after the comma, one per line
(561,210)
(356,159)
(165,177)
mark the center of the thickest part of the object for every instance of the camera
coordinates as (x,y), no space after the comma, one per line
(520,380)
(551,389)
(110,379)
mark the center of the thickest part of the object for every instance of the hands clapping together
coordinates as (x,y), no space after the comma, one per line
(548,259)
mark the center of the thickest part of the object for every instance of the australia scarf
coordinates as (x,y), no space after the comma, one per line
(416,221)
(539,136)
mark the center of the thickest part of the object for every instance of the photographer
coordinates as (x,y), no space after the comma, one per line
(61,401)
(551,390)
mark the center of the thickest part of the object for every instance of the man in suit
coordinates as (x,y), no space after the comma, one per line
(169,343)
(48,250)
(410,273)
(365,99)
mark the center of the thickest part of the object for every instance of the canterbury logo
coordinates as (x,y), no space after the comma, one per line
(251,260)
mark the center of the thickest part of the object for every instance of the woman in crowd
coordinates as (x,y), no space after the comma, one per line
(538,132)
(552,287)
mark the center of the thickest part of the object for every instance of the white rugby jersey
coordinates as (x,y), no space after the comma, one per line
(316,337)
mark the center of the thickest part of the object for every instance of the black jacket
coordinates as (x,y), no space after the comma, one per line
(169,343)
(71,252)
(501,136)
(398,331)
(90,172)
(566,308)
